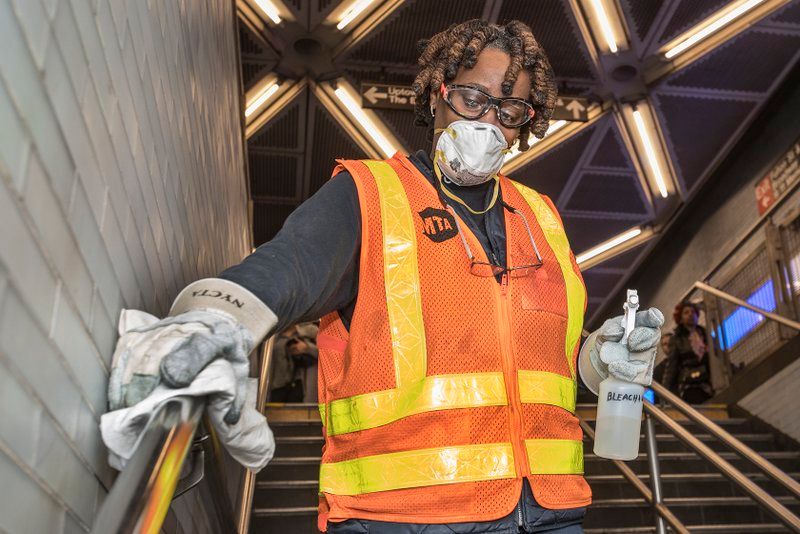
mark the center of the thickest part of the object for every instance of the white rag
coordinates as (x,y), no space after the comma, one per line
(250,441)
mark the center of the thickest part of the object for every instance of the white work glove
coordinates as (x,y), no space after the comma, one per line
(604,355)
(210,319)
(174,350)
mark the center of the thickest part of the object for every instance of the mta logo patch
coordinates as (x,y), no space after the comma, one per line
(439,225)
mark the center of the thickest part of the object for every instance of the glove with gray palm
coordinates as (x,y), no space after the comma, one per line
(603,353)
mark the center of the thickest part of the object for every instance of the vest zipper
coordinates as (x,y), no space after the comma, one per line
(520,455)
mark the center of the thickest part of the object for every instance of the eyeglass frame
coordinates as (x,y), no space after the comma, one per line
(493,103)
(502,270)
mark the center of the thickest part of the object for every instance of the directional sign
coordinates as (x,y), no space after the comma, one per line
(387,96)
(390,96)
(571,109)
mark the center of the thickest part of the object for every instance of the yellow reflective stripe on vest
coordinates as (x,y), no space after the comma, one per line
(415,392)
(555,456)
(557,239)
(443,392)
(401,277)
(414,469)
(542,387)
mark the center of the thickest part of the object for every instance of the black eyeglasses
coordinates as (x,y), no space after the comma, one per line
(524,265)
(471,103)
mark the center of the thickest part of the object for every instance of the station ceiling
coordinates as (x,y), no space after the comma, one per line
(620,55)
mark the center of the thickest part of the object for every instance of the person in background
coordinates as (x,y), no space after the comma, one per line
(658,370)
(686,371)
(294,365)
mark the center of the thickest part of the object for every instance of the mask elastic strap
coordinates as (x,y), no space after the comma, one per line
(454,197)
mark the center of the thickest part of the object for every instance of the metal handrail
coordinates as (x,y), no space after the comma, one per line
(726,468)
(249,483)
(141,495)
(724,436)
(739,302)
(637,483)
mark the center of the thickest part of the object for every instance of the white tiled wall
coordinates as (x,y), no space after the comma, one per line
(776,401)
(121,180)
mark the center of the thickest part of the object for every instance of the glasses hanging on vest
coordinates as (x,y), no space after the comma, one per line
(521,265)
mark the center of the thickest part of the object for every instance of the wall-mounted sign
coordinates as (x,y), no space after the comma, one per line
(779,179)
(392,96)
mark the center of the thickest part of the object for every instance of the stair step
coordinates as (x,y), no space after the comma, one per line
(632,512)
(296,510)
(681,485)
(296,428)
(294,446)
(672,502)
(291,468)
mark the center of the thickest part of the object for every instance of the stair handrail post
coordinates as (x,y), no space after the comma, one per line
(655,473)
(726,468)
(249,482)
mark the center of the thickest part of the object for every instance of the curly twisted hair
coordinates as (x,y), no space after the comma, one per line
(459,45)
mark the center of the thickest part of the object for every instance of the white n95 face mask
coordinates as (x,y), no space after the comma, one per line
(470,152)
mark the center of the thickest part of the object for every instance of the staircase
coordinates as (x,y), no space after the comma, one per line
(702,498)
(285,499)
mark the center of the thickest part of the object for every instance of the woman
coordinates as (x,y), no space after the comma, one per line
(452,309)
(686,371)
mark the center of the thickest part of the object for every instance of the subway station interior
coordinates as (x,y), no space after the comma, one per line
(399,266)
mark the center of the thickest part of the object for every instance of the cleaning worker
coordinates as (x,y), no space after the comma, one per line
(452,311)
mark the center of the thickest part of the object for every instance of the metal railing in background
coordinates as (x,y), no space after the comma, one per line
(766,280)
(249,483)
(141,495)
(767,502)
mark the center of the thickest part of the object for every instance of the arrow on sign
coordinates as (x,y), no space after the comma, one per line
(373,95)
(575,108)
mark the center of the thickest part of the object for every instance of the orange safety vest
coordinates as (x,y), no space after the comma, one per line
(449,387)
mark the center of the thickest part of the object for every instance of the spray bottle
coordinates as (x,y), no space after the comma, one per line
(619,405)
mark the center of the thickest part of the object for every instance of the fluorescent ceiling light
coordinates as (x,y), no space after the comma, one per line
(554,127)
(711,25)
(270,10)
(605,25)
(260,99)
(608,245)
(366,123)
(650,152)
(355,10)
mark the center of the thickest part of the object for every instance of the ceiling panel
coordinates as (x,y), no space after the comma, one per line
(257,58)
(394,42)
(328,142)
(550,172)
(286,129)
(641,15)
(789,14)
(586,231)
(552,24)
(699,127)
(741,64)
(274,174)
(610,152)
(605,192)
